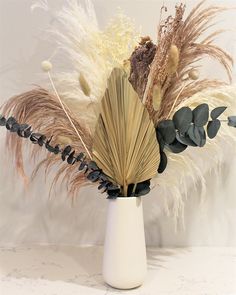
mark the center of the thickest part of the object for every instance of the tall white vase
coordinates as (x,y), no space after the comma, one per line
(124,260)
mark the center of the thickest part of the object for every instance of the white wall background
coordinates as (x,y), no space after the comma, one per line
(30,217)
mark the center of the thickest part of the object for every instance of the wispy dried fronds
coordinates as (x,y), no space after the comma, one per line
(41,110)
(125,145)
(89,50)
(184,36)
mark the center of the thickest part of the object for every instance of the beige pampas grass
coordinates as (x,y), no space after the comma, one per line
(188,170)
(178,48)
(41,110)
(125,145)
(88,49)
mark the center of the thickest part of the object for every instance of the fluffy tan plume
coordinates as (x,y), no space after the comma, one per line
(41,110)
(178,49)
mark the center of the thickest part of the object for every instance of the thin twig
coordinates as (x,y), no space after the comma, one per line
(68,116)
(177,97)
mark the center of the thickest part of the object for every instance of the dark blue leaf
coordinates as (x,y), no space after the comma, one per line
(57,149)
(176,147)
(14,127)
(185,139)
(80,157)
(217,112)
(142,188)
(93,166)
(213,128)
(93,176)
(197,135)
(232,121)
(167,131)
(201,115)
(163,162)
(71,159)
(160,140)
(2,121)
(182,119)
(82,166)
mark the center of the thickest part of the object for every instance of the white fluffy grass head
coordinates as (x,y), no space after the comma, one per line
(89,51)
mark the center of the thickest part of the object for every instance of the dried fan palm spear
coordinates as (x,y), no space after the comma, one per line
(177,50)
(41,109)
(125,145)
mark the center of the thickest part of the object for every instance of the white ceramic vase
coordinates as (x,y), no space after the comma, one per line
(124,260)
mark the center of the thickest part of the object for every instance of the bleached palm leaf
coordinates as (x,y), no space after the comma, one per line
(125,145)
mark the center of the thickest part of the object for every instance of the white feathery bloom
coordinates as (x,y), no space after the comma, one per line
(187,170)
(88,51)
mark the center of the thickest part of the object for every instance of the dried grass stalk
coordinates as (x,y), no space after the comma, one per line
(125,145)
(41,110)
(184,36)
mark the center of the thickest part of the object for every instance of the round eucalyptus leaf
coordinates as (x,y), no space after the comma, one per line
(2,121)
(176,147)
(202,133)
(160,140)
(185,139)
(213,128)
(93,175)
(163,163)
(217,112)
(232,121)
(167,130)
(142,188)
(197,135)
(201,115)
(182,119)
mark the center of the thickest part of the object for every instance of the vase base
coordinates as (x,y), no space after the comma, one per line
(124,287)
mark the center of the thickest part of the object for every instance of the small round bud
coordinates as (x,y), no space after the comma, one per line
(46,66)
(193,74)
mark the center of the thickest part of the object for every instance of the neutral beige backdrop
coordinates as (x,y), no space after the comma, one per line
(30,217)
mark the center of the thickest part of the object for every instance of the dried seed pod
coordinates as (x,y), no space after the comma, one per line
(46,66)
(193,74)
(156,97)
(84,85)
(173,60)
(144,40)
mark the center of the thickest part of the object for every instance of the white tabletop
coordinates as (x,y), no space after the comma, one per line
(53,270)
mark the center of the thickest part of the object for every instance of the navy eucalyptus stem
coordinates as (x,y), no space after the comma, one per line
(92,171)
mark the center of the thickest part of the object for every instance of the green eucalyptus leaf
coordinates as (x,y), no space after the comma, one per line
(167,130)
(217,112)
(185,139)
(197,135)
(201,115)
(232,121)
(213,128)
(182,119)
(160,140)
(142,188)
(176,147)
(163,162)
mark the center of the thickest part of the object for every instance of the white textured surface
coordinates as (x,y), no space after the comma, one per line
(69,270)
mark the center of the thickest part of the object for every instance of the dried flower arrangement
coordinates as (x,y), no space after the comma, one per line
(112,119)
